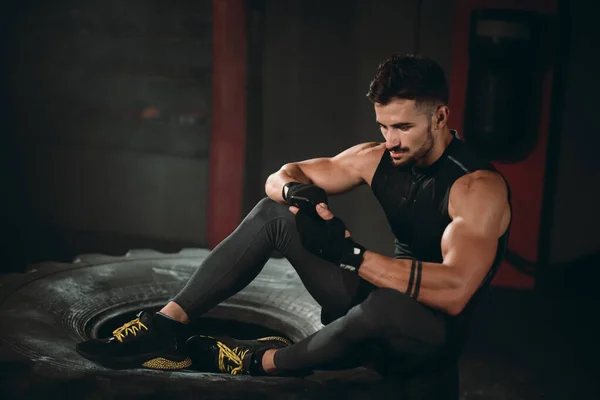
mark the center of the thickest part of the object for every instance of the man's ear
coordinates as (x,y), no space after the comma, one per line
(440,117)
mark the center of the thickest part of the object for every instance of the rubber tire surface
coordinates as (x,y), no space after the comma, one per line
(47,310)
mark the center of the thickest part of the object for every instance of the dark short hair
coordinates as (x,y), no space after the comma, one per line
(409,76)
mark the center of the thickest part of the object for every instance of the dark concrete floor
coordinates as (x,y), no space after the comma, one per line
(538,344)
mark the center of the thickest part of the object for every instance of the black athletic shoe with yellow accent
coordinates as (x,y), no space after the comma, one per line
(152,341)
(228,355)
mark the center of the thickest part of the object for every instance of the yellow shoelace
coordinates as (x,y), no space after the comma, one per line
(234,356)
(131,327)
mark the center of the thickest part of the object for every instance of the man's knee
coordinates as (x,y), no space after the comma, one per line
(268,209)
(363,319)
(392,313)
(386,301)
(278,220)
(328,315)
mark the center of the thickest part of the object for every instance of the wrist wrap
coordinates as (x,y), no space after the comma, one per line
(353,256)
(288,186)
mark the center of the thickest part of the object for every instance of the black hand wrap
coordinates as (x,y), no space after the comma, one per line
(327,240)
(313,193)
(353,256)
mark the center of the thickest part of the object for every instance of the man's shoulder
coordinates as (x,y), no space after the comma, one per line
(363,154)
(362,159)
(482,199)
(367,159)
(479,187)
(482,179)
(369,148)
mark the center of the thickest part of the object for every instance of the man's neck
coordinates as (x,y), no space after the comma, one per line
(440,145)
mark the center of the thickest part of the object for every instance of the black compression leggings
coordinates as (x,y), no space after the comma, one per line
(358,316)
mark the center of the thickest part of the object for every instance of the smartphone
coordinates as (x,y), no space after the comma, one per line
(305,205)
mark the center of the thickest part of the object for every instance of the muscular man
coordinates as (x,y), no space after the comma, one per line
(448,208)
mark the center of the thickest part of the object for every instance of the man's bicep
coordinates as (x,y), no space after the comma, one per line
(480,216)
(469,253)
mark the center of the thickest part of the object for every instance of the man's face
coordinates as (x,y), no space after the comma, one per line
(407,132)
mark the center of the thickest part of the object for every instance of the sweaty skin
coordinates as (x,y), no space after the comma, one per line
(478,204)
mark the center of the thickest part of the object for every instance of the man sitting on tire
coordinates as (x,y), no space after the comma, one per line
(447,206)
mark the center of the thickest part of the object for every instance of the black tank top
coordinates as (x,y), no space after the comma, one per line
(415,201)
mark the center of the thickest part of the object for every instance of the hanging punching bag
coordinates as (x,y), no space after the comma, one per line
(502,104)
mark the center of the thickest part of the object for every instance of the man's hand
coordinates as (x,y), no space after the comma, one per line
(328,237)
(324,212)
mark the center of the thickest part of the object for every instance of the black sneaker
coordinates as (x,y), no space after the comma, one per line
(149,341)
(232,356)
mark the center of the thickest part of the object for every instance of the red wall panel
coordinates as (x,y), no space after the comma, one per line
(228,140)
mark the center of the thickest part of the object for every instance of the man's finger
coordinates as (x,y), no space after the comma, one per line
(324,212)
(294,210)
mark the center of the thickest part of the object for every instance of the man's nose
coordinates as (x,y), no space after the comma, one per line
(390,144)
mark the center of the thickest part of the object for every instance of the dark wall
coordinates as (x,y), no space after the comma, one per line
(111,121)
(318,60)
(108,107)
(106,115)
(12,198)
(576,213)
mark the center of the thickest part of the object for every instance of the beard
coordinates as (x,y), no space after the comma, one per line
(415,157)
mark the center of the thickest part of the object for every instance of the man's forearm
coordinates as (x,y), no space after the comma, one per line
(439,286)
(287,173)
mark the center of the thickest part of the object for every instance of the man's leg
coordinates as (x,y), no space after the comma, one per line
(158,340)
(405,329)
(238,259)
